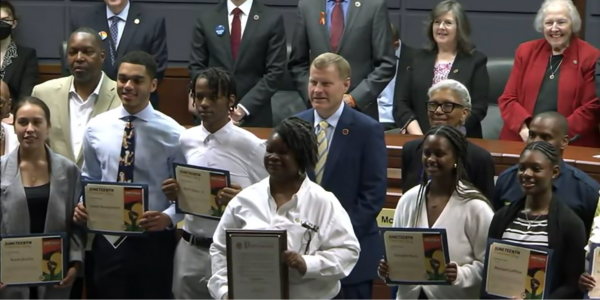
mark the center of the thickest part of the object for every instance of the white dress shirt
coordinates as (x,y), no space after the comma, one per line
(11,142)
(466,223)
(333,251)
(332,121)
(80,111)
(245,8)
(231,148)
(121,25)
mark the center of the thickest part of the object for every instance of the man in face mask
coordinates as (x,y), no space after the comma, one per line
(19,68)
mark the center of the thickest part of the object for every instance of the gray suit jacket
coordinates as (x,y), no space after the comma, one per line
(55,93)
(366,44)
(65,189)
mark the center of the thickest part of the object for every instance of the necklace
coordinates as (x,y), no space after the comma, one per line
(527,218)
(552,70)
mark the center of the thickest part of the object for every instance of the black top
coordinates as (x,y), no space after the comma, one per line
(547,99)
(480,167)
(566,237)
(37,200)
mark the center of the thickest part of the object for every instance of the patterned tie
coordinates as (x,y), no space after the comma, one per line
(337,25)
(323,149)
(236,31)
(114,34)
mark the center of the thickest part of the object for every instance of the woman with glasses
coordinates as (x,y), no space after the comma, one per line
(446,199)
(39,192)
(449,55)
(8,138)
(554,73)
(449,104)
(540,219)
(18,64)
(322,246)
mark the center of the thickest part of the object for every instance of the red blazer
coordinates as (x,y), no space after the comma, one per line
(577,99)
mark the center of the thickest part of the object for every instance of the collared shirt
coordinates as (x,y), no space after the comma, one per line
(331,255)
(121,25)
(386,98)
(11,141)
(574,187)
(156,149)
(332,121)
(245,8)
(466,222)
(80,111)
(231,148)
(329,9)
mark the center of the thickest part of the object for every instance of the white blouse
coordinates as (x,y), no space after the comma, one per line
(467,223)
(11,142)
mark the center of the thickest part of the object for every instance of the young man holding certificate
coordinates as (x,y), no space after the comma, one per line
(133,144)
(445,202)
(217,146)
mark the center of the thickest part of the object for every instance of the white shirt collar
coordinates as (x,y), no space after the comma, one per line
(122,15)
(333,119)
(221,135)
(96,90)
(302,191)
(144,115)
(245,7)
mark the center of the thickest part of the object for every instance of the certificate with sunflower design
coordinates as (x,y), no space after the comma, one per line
(115,208)
(416,255)
(515,271)
(32,259)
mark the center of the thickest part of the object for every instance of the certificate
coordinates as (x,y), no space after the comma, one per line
(32,259)
(198,189)
(514,270)
(594,270)
(255,265)
(416,255)
(115,208)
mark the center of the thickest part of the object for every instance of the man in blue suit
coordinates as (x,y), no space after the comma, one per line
(352,164)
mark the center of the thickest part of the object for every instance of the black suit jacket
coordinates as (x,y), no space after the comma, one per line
(22,73)
(258,67)
(480,167)
(148,35)
(469,69)
(403,67)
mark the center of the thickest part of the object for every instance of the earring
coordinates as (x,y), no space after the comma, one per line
(231,108)
(455,166)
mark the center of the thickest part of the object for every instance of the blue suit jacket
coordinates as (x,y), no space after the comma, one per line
(356,173)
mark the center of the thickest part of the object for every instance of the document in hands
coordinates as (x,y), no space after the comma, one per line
(514,271)
(199,190)
(416,255)
(115,208)
(594,270)
(32,260)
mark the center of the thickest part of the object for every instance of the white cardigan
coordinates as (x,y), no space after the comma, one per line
(466,223)
(11,141)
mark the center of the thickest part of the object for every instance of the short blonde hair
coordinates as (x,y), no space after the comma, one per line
(327,59)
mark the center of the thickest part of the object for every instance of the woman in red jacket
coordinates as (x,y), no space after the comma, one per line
(555,73)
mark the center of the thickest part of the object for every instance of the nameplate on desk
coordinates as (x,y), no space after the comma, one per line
(386,217)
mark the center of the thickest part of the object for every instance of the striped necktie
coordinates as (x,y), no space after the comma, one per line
(323,149)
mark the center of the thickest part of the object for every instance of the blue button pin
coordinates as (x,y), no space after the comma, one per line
(220,30)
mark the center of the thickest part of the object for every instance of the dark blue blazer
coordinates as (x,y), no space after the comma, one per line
(356,173)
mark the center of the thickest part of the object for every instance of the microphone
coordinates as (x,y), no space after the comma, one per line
(309,226)
(575,138)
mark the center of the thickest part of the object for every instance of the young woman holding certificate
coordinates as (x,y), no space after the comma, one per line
(39,192)
(445,199)
(541,220)
(321,245)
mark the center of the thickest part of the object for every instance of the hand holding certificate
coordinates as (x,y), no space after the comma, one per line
(115,208)
(514,271)
(415,256)
(200,190)
(32,260)
(589,281)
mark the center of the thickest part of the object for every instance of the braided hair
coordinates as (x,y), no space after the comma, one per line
(545,148)
(220,82)
(300,138)
(459,144)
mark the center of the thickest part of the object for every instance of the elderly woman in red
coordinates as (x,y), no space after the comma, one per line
(555,73)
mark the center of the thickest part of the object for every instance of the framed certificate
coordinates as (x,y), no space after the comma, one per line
(416,255)
(255,265)
(33,259)
(198,189)
(593,263)
(115,208)
(513,270)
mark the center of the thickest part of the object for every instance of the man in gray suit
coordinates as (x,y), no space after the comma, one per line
(355,29)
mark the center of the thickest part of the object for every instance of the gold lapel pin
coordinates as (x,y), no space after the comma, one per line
(345,131)
(255,17)
(455,71)
(136,21)
(357,4)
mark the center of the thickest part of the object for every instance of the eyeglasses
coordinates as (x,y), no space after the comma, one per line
(306,239)
(447,107)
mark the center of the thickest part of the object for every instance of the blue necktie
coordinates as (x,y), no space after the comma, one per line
(114,34)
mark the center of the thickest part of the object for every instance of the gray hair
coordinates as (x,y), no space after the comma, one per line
(572,10)
(458,88)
